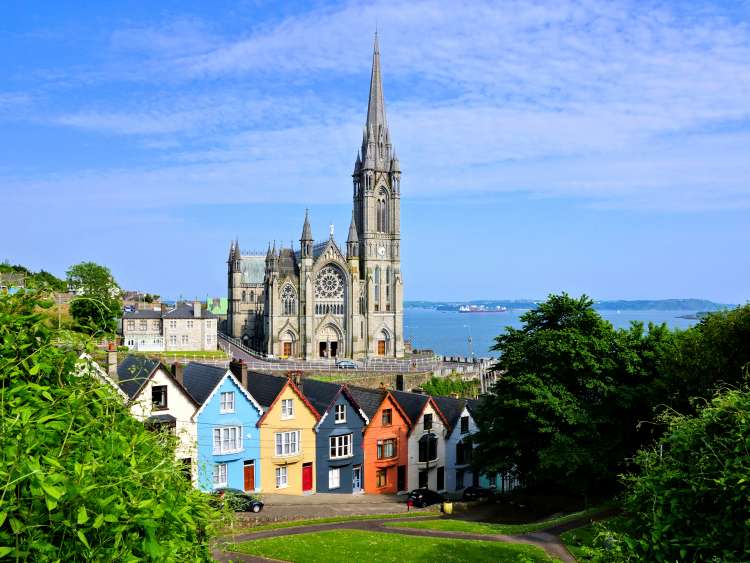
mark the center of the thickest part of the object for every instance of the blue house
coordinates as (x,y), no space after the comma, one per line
(340,455)
(228,440)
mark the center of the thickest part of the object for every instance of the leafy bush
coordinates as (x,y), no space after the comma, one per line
(690,500)
(444,386)
(80,479)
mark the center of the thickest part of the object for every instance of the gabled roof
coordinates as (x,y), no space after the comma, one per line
(414,405)
(322,395)
(142,314)
(200,379)
(264,387)
(369,400)
(451,409)
(472,405)
(289,383)
(186,311)
(86,362)
(133,372)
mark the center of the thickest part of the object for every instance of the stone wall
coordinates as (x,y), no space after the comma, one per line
(374,380)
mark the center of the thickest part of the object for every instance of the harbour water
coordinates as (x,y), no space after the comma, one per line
(448,332)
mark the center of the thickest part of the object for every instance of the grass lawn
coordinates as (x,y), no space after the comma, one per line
(453,525)
(193,354)
(331,520)
(576,540)
(346,546)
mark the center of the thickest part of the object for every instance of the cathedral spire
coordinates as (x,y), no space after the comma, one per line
(306,231)
(376,105)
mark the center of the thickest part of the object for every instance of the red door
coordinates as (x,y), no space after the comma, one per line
(307,478)
(249,474)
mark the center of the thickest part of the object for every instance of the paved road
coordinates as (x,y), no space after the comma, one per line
(545,540)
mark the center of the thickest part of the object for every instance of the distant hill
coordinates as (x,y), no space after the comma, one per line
(618,305)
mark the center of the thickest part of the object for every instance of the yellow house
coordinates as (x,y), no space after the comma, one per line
(287,435)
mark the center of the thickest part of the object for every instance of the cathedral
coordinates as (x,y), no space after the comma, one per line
(322,300)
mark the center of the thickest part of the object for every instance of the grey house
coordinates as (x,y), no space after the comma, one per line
(340,452)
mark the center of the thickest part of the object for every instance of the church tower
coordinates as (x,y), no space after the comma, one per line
(377,206)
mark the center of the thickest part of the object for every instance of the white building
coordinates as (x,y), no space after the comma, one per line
(187,327)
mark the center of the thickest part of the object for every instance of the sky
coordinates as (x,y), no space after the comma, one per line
(580,146)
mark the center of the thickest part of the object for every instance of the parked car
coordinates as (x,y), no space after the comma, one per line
(424,497)
(238,500)
(346,364)
(476,493)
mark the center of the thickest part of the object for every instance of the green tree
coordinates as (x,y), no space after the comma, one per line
(98,304)
(688,501)
(80,479)
(564,414)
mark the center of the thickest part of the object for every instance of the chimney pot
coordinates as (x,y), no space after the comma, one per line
(239,370)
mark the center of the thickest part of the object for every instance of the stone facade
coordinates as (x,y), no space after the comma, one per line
(322,300)
(187,327)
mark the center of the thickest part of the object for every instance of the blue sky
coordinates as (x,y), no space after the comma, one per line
(597,147)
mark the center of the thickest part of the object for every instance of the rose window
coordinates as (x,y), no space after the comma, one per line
(329,284)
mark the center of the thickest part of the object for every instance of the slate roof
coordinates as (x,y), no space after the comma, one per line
(473,405)
(200,379)
(185,311)
(451,408)
(368,399)
(253,269)
(132,373)
(319,393)
(161,419)
(412,403)
(142,314)
(288,263)
(264,387)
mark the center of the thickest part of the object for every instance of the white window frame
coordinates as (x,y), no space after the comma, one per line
(287,443)
(341,445)
(185,339)
(173,339)
(339,416)
(227,440)
(220,470)
(227,402)
(282,477)
(334,478)
(287,409)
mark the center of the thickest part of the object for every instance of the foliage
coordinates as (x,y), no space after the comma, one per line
(40,279)
(689,501)
(563,416)
(80,478)
(98,303)
(445,386)
(344,546)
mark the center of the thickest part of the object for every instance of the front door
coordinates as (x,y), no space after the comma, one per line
(307,477)
(323,350)
(334,349)
(381,347)
(401,478)
(441,478)
(249,474)
(287,349)
(356,478)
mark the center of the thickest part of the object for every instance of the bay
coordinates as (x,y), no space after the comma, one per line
(447,332)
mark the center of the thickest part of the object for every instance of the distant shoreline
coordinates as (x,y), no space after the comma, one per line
(692,305)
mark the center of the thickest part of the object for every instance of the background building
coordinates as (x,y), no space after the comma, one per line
(186,327)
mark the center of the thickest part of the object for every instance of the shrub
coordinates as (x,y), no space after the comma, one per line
(80,479)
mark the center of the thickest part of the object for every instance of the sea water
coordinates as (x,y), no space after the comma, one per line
(448,332)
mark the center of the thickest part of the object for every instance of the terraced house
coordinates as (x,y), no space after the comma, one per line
(228,439)
(426,441)
(385,441)
(340,457)
(185,327)
(287,434)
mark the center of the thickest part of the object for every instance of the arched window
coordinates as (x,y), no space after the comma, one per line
(243,296)
(382,212)
(252,297)
(289,300)
(388,288)
(376,289)
(329,290)
(427,447)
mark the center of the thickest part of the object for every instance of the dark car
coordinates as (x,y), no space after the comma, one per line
(424,497)
(476,493)
(238,500)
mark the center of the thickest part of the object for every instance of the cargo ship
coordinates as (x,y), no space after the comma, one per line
(481,309)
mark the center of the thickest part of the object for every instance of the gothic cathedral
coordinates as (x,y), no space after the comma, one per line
(319,302)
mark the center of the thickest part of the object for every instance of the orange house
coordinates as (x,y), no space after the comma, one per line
(385,441)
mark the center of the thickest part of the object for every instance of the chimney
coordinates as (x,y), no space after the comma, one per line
(382,386)
(295,377)
(239,369)
(197,309)
(112,362)
(178,370)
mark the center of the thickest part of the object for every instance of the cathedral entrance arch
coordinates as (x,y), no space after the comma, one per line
(288,344)
(384,343)
(330,343)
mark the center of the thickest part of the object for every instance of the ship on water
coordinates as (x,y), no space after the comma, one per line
(481,309)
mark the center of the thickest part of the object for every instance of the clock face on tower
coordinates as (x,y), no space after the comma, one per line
(381,250)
